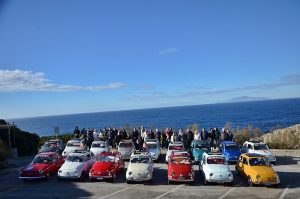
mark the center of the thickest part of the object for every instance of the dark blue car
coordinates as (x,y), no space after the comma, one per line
(230,150)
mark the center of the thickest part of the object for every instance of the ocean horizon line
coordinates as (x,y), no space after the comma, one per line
(151,108)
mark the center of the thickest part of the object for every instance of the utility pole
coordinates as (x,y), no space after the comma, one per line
(8,126)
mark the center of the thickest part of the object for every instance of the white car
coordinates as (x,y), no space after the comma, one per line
(177,146)
(72,145)
(140,168)
(214,168)
(153,149)
(126,147)
(258,148)
(99,147)
(77,165)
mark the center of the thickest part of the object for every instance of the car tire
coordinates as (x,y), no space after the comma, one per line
(25,180)
(128,181)
(82,176)
(92,179)
(58,178)
(205,181)
(250,182)
(114,178)
(48,176)
(169,181)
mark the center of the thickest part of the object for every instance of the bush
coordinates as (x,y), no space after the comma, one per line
(4,151)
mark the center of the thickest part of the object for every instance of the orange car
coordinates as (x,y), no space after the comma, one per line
(257,170)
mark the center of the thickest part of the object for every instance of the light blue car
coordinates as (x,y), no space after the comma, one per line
(198,147)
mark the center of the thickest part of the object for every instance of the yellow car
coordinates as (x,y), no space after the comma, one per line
(257,170)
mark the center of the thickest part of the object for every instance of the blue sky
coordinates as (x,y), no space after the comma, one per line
(62,57)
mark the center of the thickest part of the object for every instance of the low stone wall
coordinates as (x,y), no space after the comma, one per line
(283,152)
(287,137)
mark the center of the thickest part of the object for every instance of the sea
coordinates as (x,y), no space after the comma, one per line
(266,115)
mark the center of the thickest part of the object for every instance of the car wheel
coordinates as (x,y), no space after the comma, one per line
(128,181)
(205,181)
(150,181)
(48,176)
(250,182)
(92,179)
(25,180)
(114,178)
(82,176)
(169,181)
(58,178)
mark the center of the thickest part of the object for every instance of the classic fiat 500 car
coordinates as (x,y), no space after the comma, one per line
(107,166)
(180,168)
(126,147)
(177,146)
(258,148)
(99,147)
(140,168)
(214,168)
(153,149)
(52,146)
(257,170)
(230,150)
(42,166)
(72,145)
(198,147)
(77,165)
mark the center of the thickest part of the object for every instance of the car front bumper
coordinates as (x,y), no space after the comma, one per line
(33,177)
(184,179)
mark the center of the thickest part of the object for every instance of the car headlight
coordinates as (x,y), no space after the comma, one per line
(108,173)
(129,173)
(257,177)
(211,174)
(172,173)
(190,174)
(59,171)
(229,174)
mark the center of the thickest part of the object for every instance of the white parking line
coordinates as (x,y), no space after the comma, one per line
(162,195)
(284,192)
(116,192)
(230,190)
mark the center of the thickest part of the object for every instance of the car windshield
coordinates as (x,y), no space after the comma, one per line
(181,160)
(47,149)
(104,158)
(75,158)
(231,147)
(260,147)
(98,145)
(140,160)
(42,160)
(172,147)
(215,160)
(125,145)
(258,161)
(152,145)
(73,144)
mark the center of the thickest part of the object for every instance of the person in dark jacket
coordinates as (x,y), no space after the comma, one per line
(218,137)
(76,132)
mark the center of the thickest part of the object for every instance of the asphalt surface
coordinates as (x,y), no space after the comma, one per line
(288,168)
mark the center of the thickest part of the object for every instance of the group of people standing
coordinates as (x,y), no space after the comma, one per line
(113,136)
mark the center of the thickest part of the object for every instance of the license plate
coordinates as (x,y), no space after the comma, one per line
(99,178)
(181,178)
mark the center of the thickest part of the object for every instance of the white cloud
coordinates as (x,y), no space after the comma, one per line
(20,80)
(168,51)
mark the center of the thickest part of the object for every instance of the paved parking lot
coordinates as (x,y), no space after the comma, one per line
(288,168)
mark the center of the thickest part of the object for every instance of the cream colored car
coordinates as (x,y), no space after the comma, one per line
(140,168)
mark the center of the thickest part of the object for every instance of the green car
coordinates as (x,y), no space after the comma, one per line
(198,147)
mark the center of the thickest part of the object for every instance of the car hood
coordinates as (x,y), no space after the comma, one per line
(35,167)
(138,167)
(262,170)
(71,165)
(72,148)
(197,152)
(181,168)
(217,168)
(103,166)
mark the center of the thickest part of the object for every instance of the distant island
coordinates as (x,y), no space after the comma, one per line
(246,99)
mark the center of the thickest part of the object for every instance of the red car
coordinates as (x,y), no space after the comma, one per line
(180,168)
(42,166)
(107,165)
